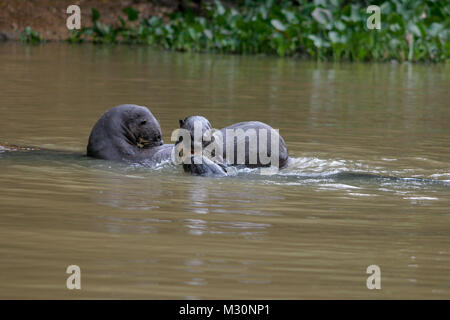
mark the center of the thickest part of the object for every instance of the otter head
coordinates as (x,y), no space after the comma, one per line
(198,131)
(140,128)
(122,132)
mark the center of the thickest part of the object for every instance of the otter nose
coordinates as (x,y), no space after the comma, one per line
(161,142)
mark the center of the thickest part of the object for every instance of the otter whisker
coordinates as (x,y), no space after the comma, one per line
(129,135)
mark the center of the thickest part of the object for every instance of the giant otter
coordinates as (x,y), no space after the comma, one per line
(128,132)
(212,154)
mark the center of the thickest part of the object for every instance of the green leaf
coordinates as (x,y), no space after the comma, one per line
(340,25)
(192,33)
(320,3)
(168,29)
(414,29)
(277,24)
(208,33)
(335,3)
(131,13)
(322,16)
(290,16)
(318,42)
(95,15)
(386,8)
(395,27)
(334,37)
(355,16)
(153,21)
(220,8)
(435,29)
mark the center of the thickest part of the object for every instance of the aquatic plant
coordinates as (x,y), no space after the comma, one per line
(30,36)
(415,30)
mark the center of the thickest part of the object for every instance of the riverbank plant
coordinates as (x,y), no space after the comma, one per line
(323,29)
(30,36)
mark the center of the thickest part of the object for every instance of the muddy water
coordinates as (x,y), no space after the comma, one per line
(310,231)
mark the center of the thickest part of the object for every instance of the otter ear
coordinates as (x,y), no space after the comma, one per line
(181,123)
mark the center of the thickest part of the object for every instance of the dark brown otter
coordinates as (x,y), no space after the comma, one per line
(210,163)
(128,133)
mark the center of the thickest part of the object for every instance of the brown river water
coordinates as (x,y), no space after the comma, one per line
(308,232)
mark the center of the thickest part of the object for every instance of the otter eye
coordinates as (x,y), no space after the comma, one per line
(143,122)
(180,139)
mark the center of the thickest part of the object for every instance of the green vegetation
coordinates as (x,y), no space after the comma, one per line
(324,29)
(30,36)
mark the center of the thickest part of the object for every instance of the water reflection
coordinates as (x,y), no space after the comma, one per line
(235,228)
